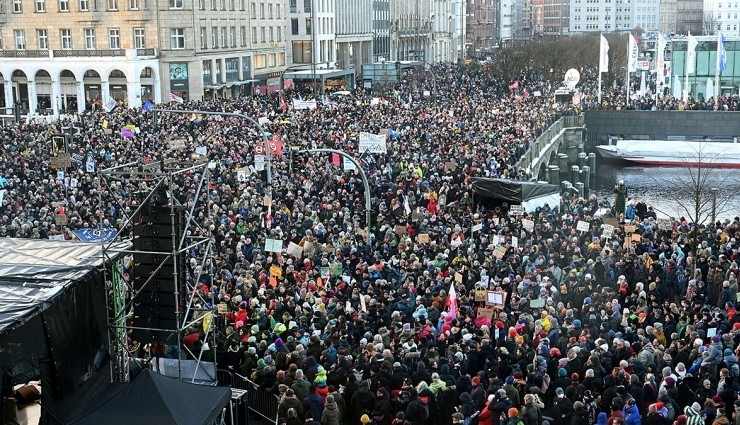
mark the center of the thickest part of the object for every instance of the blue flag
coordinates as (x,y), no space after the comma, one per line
(148,105)
(721,53)
(95,235)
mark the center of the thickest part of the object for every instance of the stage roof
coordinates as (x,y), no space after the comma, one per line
(34,271)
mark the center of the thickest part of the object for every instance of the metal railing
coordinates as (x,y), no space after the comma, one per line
(24,53)
(543,141)
(146,52)
(88,53)
(259,400)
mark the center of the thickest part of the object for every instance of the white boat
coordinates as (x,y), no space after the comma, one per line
(681,153)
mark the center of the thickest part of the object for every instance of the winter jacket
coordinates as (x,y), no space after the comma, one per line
(715,354)
(331,414)
(692,416)
(631,415)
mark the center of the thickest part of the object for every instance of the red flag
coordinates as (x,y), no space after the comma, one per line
(276,146)
(335,159)
(452,303)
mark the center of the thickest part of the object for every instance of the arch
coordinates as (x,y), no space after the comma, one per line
(118,86)
(43,82)
(68,81)
(115,73)
(93,88)
(147,78)
(542,172)
(553,160)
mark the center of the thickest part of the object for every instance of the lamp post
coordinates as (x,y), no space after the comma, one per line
(268,150)
(714,204)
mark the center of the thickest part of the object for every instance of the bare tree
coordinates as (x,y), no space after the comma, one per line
(709,23)
(694,192)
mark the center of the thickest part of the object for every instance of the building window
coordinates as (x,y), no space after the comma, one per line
(201,4)
(260,61)
(243,34)
(64,5)
(43,37)
(214,5)
(301,51)
(176,4)
(279,34)
(66,36)
(308,26)
(253,8)
(84,5)
(17,6)
(281,59)
(262,11)
(307,6)
(214,37)
(114,38)
(232,4)
(293,6)
(41,5)
(294,26)
(112,4)
(224,40)
(232,36)
(203,37)
(254,35)
(272,35)
(177,38)
(133,4)
(242,5)
(269,11)
(263,32)
(246,67)
(20,39)
(90,38)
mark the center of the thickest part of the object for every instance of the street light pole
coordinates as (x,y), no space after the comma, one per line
(365,182)
(268,151)
(714,204)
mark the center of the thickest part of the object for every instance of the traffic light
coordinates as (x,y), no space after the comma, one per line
(296,159)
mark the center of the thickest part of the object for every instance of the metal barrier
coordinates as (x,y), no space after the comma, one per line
(544,140)
(259,400)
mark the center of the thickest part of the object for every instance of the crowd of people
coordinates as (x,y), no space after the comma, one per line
(386,325)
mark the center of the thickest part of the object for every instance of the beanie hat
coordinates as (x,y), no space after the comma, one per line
(513,412)
(716,338)
(681,420)
(659,405)
(559,391)
(574,376)
(260,362)
(501,392)
(509,379)
(476,380)
(562,372)
(652,408)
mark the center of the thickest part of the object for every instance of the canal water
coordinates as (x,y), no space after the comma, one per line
(654,186)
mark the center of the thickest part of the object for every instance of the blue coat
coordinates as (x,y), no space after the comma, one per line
(631,415)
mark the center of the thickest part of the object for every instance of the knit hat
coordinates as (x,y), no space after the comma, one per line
(260,362)
(562,372)
(574,376)
(659,405)
(652,408)
(513,412)
(476,381)
(559,391)
(681,420)
(501,393)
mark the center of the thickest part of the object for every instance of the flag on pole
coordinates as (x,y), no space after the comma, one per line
(452,303)
(148,105)
(633,51)
(691,54)
(176,98)
(604,55)
(721,52)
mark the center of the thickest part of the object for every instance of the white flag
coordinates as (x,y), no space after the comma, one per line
(604,55)
(691,55)
(633,51)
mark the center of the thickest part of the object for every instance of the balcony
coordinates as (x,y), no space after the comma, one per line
(89,53)
(24,53)
(146,53)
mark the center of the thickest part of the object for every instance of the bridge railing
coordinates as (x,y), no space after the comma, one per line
(544,140)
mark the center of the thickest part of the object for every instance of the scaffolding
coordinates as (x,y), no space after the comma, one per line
(158,184)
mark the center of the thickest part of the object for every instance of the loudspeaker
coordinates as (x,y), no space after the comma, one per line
(156,302)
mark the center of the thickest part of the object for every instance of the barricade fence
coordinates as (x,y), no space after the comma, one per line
(259,400)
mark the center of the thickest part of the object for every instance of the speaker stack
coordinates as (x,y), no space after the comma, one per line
(156,304)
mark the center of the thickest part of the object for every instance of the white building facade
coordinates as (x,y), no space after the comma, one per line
(613,15)
(312,34)
(442,31)
(722,15)
(354,33)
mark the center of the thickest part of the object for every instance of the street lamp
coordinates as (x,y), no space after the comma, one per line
(714,204)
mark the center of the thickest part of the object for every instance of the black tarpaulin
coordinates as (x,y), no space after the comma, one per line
(152,398)
(513,191)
